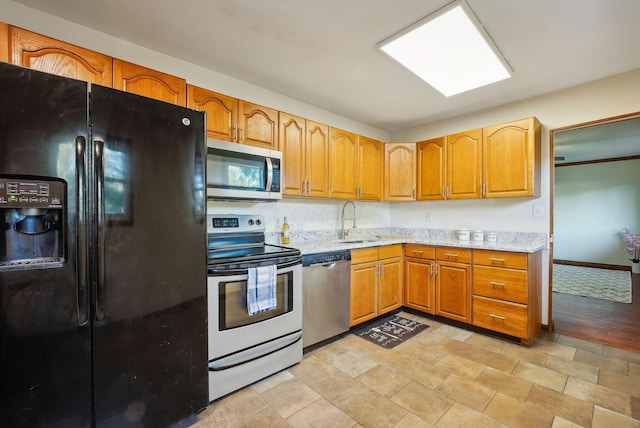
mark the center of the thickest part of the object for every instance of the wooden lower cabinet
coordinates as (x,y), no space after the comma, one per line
(507,292)
(419,277)
(376,282)
(453,283)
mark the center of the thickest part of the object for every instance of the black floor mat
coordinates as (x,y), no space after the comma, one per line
(390,331)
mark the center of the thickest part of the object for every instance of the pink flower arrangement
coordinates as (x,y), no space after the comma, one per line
(633,245)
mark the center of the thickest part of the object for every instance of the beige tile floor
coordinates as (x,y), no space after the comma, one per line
(443,377)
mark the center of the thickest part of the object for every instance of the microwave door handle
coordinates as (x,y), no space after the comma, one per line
(269,174)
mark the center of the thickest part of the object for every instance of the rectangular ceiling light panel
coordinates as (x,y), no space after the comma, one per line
(449,50)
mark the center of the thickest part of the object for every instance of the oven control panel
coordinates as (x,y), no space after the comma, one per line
(219,223)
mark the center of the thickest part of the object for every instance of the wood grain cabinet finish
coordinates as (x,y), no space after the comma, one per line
(305,153)
(343,164)
(43,53)
(507,292)
(370,169)
(147,82)
(257,125)
(511,158)
(400,172)
(222,112)
(419,277)
(376,282)
(464,165)
(431,169)
(453,283)
(231,119)
(4,42)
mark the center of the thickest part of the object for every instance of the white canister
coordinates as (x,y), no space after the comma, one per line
(478,235)
(492,238)
(464,235)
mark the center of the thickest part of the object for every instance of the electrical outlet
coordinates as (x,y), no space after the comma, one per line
(538,210)
(429,217)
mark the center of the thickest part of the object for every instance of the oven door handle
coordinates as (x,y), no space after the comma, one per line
(221,270)
(255,352)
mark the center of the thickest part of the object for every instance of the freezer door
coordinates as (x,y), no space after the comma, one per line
(45,343)
(150,332)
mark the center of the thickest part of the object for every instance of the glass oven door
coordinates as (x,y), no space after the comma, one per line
(232,329)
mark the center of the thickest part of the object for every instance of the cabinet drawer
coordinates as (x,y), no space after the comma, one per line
(453,254)
(500,259)
(362,255)
(504,317)
(389,251)
(419,251)
(504,284)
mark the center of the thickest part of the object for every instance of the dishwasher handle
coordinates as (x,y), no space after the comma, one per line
(324,265)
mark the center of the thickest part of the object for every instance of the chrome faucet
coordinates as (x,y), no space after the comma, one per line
(344,233)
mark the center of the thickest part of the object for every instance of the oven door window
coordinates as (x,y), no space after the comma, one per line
(233,310)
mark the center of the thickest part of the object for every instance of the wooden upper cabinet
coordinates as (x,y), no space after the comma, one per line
(222,112)
(399,171)
(43,53)
(317,159)
(464,165)
(4,42)
(370,168)
(140,80)
(257,125)
(293,135)
(343,158)
(431,182)
(511,159)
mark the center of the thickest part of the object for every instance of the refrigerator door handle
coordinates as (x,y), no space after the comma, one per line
(101,297)
(81,280)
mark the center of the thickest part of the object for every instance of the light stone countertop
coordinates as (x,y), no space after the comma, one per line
(311,247)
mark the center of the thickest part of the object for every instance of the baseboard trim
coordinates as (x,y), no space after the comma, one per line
(591,265)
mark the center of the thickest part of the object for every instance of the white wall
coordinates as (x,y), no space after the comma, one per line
(592,204)
(304,214)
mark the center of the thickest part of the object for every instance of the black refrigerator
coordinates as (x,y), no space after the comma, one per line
(103,318)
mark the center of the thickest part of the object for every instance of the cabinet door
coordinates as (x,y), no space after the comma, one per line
(511,159)
(453,291)
(292,144)
(419,289)
(53,56)
(317,159)
(431,169)
(140,80)
(364,292)
(390,285)
(400,172)
(222,112)
(4,42)
(343,165)
(257,125)
(370,169)
(464,165)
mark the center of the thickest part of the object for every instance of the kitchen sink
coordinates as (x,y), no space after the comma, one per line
(354,241)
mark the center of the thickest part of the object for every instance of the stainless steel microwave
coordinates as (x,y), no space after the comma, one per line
(240,172)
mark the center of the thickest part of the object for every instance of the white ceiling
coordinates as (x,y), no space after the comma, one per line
(323,52)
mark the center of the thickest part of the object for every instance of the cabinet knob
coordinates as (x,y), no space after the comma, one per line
(497,317)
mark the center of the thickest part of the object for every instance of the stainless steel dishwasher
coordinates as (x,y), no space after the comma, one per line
(325,295)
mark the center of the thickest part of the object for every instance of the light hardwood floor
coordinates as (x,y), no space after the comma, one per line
(601,321)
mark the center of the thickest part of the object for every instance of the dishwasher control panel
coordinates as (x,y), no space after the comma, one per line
(324,258)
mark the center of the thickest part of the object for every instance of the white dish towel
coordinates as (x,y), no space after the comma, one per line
(261,289)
